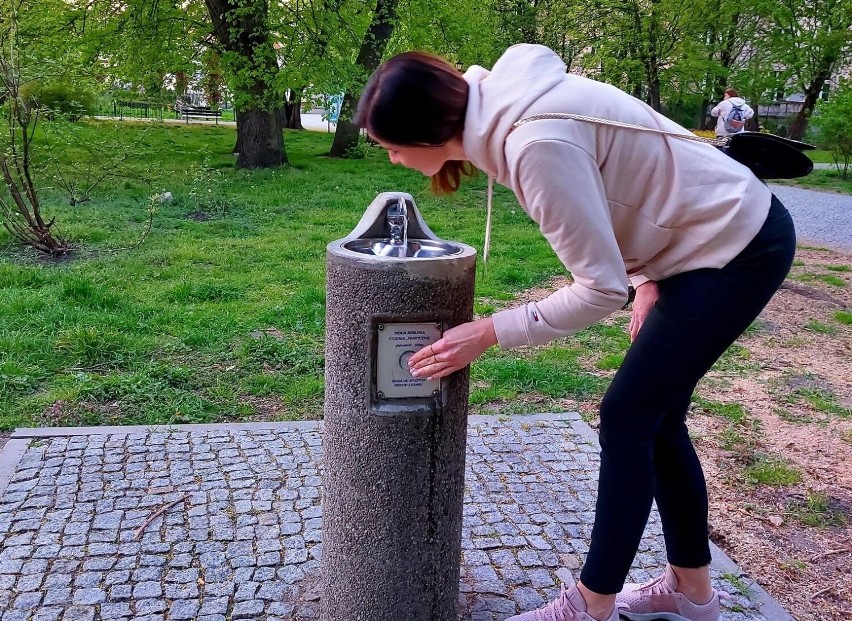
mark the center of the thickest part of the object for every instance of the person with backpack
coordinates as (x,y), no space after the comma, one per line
(704,242)
(732,113)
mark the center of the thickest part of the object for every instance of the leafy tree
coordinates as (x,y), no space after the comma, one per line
(369,57)
(213,81)
(833,123)
(732,58)
(810,39)
(241,28)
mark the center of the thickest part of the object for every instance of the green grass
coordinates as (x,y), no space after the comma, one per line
(816,510)
(207,320)
(843,317)
(733,412)
(610,362)
(739,434)
(792,417)
(825,180)
(819,156)
(830,279)
(823,401)
(838,268)
(552,372)
(737,583)
(819,327)
(771,470)
(736,359)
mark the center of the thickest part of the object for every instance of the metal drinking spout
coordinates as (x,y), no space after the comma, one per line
(397,218)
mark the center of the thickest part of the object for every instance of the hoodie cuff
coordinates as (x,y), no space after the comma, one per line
(637,280)
(524,325)
(511,328)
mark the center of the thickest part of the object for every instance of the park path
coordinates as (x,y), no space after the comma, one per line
(244,539)
(821,218)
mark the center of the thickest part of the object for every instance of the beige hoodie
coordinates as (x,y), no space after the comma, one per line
(613,203)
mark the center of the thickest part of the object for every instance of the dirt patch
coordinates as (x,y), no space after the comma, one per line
(792,375)
(795,539)
(4,437)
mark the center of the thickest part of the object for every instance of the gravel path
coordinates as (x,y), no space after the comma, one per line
(821,218)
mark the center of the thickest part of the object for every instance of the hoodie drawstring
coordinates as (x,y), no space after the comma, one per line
(487,244)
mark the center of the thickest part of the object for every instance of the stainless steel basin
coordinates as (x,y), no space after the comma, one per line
(413,248)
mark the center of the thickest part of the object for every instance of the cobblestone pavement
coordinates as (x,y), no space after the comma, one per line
(243,539)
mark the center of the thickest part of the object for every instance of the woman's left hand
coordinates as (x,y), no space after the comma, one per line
(646,296)
(455,350)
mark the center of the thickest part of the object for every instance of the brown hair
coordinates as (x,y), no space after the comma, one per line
(417,99)
(732,93)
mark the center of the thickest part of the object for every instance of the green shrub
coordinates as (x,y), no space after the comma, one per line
(61,100)
(833,124)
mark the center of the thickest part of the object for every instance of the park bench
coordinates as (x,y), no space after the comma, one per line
(187,112)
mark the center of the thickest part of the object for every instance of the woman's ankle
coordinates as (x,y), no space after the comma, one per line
(597,606)
(694,584)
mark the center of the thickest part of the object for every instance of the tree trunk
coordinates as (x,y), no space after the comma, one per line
(347,133)
(293,110)
(369,56)
(812,93)
(654,85)
(652,64)
(242,28)
(753,124)
(261,140)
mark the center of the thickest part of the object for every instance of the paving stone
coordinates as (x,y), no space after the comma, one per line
(48,613)
(540,578)
(115,611)
(27,601)
(29,583)
(147,589)
(249,609)
(58,596)
(246,591)
(89,596)
(120,592)
(149,606)
(98,563)
(79,613)
(182,609)
(184,576)
(181,591)
(214,606)
(88,579)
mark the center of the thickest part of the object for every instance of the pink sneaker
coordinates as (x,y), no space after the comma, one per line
(658,600)
(569,606)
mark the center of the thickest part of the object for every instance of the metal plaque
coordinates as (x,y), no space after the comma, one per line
(397,343)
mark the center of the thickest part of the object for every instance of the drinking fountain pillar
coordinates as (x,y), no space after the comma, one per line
(394,445)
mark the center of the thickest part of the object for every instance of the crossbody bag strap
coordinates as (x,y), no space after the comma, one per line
(716,142)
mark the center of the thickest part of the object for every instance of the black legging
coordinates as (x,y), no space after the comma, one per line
(646,451)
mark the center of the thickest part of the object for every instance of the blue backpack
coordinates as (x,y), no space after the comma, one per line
(735,120)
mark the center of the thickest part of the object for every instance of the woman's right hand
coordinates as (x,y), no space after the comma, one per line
(646,296)
(458,348)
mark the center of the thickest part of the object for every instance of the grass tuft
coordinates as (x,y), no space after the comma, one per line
(816,510)
(771,470)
